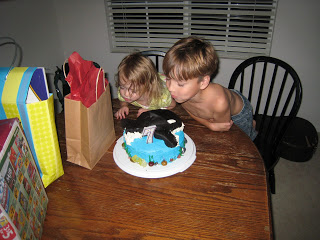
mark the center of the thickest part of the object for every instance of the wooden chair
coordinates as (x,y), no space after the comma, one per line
(275,92)
(156,54)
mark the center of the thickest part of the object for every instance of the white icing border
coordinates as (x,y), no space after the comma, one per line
(179,165)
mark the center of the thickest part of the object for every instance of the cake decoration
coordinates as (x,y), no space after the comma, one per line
(149,132)
(155,137)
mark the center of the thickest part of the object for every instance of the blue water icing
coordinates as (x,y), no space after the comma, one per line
(156,151)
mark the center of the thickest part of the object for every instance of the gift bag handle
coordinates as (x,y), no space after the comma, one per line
(97,81)
(64,69)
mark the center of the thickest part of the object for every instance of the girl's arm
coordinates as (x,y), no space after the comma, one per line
(123,111)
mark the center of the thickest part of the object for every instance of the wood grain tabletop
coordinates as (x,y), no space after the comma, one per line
(222,195)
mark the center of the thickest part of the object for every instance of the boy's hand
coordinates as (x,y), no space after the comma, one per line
(122,112)
(141,110)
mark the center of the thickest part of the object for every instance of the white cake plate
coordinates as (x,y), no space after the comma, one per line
(157,171)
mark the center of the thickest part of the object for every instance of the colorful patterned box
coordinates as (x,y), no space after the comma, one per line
(22,194)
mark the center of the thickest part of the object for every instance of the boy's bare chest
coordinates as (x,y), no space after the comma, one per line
(198,110)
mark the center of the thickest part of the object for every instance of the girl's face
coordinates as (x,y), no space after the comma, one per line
(128,93)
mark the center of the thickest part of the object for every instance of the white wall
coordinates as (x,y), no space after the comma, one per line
(49,31)
(33,25)
(296,41)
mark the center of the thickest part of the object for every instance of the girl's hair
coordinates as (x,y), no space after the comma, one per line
(190,57)
(141,73)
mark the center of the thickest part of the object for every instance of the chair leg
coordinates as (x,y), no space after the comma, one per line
(272,181)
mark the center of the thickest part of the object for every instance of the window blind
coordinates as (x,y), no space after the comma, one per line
(237,29)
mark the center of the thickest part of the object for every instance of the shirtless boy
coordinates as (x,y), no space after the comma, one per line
(188,66)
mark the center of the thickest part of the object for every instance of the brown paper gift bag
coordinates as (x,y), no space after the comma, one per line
(89,131)
(89,128)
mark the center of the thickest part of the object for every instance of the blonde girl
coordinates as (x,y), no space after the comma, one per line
(140,84)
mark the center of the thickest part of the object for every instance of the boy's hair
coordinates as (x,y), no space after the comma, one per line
(141,73)
(190,57)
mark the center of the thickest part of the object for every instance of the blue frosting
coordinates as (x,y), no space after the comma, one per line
(154,152)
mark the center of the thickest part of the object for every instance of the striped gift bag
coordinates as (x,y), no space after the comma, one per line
(24,94)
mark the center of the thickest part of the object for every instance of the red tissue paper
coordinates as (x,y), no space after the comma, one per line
(86,81)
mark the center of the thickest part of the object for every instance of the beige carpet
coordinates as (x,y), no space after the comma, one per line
(296,204)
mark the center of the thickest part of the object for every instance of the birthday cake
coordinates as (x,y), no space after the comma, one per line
(155,137)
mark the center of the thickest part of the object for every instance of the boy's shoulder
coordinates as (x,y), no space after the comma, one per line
(215,85)
(217,95)
(216,90)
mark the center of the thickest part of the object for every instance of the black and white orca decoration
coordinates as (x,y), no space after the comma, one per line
(160,118)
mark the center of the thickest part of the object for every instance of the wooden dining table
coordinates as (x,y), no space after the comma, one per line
(223,195)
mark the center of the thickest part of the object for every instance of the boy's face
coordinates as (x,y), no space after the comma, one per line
(183,90)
